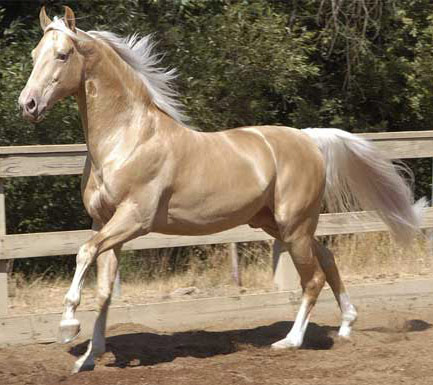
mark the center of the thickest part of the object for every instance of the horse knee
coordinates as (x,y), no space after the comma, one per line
(85,255)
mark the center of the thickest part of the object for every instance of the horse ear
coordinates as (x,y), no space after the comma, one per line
(44,19)
(70,18)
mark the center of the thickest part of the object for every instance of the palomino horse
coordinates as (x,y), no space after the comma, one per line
(147,171)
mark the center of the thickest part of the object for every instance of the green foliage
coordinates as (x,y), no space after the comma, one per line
(242,66)
(360,65)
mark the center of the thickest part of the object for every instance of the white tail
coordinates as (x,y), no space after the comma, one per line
(358,176)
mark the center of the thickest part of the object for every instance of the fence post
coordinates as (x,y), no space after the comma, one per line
(429,232)
(117,288)
(286,276)
(3,262)
(236,273)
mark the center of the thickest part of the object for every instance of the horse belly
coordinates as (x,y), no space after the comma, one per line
(206,212)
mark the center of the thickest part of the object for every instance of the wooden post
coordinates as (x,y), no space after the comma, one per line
(117,289)
(285,275)
(3,262)
(429,232)
(236,273)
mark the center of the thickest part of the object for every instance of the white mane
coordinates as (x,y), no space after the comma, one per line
(138,53)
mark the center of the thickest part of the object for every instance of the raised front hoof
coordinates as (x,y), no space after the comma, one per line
(69,330)
(286,343)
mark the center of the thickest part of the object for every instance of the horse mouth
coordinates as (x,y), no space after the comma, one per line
(40,118)
(35,118)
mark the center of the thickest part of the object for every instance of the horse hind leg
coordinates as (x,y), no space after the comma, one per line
(312,276)
(348,311)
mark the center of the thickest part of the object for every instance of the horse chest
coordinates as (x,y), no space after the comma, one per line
(97,200)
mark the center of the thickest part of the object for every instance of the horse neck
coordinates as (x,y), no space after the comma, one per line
(115,105)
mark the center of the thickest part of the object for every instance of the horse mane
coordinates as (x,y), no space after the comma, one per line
(138,52)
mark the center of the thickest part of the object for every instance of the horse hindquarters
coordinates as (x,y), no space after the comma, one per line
(299,192)
(355,174)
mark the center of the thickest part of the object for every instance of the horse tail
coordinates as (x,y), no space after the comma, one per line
(358,176)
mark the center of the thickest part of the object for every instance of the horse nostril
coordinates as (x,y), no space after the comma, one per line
(31,105)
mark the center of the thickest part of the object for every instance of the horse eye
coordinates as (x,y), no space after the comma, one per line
(62,56)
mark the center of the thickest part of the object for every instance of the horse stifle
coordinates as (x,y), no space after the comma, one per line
(147,171)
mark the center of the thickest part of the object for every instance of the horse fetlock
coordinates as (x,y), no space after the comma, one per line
(72,299)
(350,315)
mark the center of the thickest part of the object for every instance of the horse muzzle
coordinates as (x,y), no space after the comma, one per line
(32,106)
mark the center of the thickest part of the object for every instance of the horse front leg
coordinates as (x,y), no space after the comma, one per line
(107,267)
(123,226)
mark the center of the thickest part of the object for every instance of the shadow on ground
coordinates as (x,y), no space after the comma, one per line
(413,325)
(145,348)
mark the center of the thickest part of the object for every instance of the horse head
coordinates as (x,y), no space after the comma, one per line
(58,66)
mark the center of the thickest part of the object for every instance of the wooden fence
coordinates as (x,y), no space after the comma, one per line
(23,161)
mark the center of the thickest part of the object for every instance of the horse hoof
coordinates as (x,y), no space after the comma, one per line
(83,367)
(69,330)
(285,343)
(344,332)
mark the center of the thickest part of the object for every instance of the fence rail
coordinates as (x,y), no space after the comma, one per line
(25,161)
(68,159)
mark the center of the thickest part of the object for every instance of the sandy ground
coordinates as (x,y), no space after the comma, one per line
(391,344)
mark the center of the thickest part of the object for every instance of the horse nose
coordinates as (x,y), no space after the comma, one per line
(31,106)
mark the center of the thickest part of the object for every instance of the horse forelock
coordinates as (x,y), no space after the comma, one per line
(138,52)
(58,24)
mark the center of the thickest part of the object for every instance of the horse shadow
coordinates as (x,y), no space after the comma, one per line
(146,349)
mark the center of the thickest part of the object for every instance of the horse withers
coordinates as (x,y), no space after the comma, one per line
(146,171)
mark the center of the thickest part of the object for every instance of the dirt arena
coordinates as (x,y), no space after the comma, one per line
(392,343)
